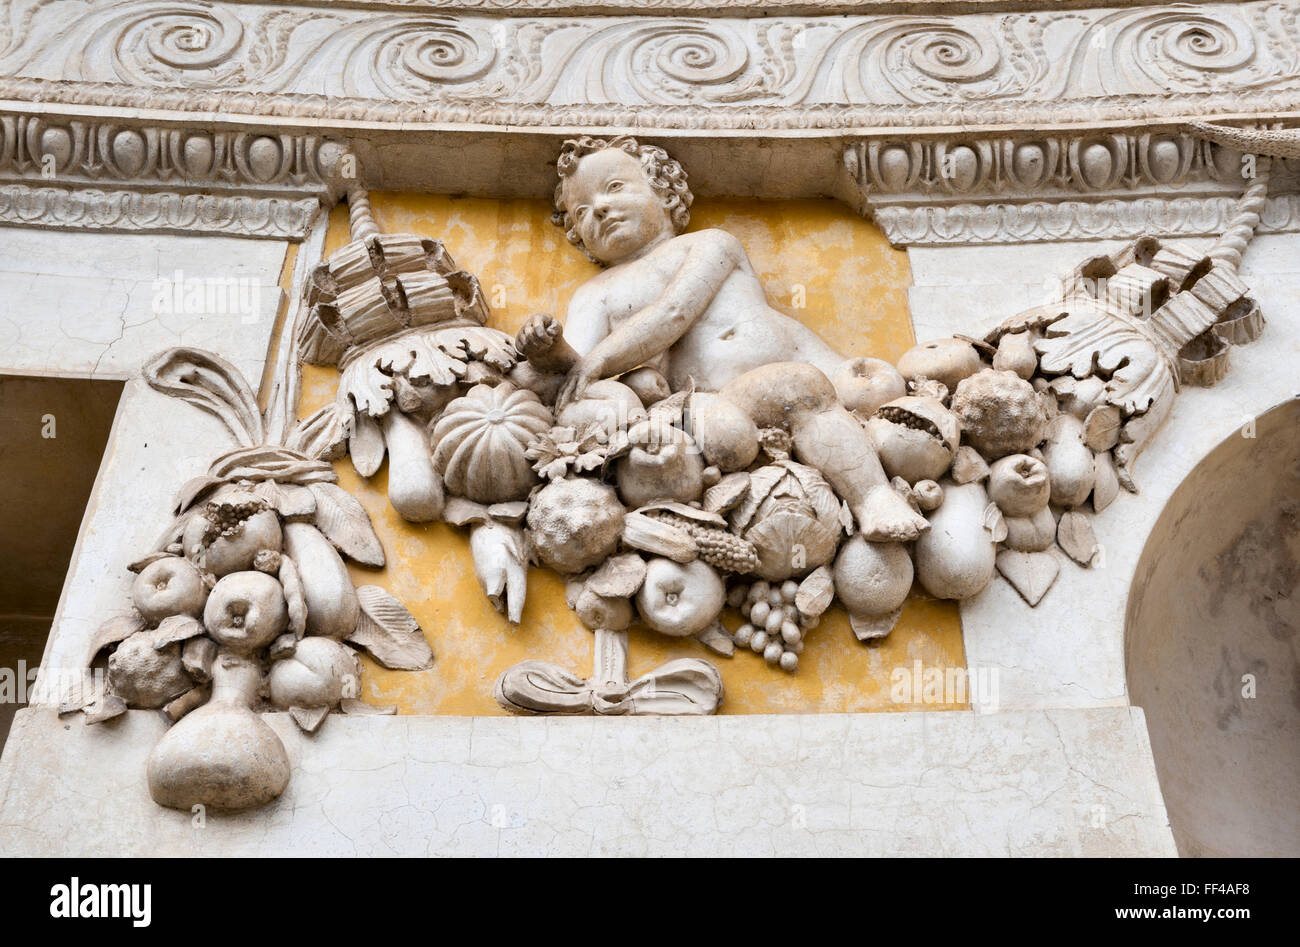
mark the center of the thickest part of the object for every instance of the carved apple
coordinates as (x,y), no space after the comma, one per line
(171,586)
(319,673)
(864,384)
(246,611)
(680,599)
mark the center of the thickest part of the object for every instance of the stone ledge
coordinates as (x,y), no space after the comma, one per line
(1061,782)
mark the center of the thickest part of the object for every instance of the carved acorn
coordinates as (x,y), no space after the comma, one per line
(479,443)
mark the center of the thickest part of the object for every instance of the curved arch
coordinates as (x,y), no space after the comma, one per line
(1212,644)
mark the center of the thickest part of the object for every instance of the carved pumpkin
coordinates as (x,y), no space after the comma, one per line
(480,440)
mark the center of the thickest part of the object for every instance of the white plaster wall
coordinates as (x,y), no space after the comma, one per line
(1069,651)
(1073,782)
(84,303)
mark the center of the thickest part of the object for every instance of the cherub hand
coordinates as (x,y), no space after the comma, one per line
(541,342)
(575,386)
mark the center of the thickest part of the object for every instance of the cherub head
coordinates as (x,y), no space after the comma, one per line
(615,197)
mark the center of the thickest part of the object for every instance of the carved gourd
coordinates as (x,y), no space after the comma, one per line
(1069,461)
(479,443)
(956,557)
(222,755)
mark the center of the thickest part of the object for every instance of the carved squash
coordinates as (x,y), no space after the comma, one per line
(479,443)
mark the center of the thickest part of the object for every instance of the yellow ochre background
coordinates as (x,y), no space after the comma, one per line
(853,289)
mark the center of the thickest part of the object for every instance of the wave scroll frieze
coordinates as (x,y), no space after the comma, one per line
(772,71)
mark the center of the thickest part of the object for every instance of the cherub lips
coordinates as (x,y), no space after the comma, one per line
(608,224)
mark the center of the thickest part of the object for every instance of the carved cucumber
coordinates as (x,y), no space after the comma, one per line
(332,606)
(414,487)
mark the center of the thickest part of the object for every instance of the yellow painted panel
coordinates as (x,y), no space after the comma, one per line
(821,264)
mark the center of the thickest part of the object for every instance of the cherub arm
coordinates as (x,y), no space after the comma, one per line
(646,334)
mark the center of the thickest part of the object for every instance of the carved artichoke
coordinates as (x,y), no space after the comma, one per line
(481,441)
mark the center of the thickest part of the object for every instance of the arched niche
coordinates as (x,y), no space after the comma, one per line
(1212,644)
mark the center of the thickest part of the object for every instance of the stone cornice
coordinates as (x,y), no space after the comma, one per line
(191,114)
(719,7)
(1031,187)
(124,175)
(338,66)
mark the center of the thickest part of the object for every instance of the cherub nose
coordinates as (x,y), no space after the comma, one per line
(600,208)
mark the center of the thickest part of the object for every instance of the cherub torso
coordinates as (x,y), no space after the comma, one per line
(736,332)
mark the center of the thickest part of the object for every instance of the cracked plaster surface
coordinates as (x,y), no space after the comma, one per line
(1064,782)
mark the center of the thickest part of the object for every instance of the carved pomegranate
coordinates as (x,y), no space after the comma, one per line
(479,443)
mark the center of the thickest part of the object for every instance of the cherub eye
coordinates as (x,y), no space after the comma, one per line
(615,186)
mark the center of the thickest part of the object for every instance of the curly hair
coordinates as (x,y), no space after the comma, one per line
(665,176)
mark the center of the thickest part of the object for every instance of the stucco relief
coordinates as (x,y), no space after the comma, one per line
(674,446)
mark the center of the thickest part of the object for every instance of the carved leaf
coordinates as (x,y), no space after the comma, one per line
(815,592)
(1088,340)
(322,435)
(309,719)
(540,688)
(118,628)
(869,627)
(210,383)
(1074,535)
(175,628)
(389,632)
(1030,573)
(619,576)
(366,445)
(346,524)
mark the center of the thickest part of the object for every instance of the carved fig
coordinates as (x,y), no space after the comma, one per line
(332,606)
(1019,485)
(956,557)
(319,673)
(725,435)
(1016,354)
(1069,461)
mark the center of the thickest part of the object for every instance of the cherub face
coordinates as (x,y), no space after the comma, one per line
(613,207)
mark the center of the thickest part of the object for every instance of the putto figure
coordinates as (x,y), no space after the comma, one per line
(672,309)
